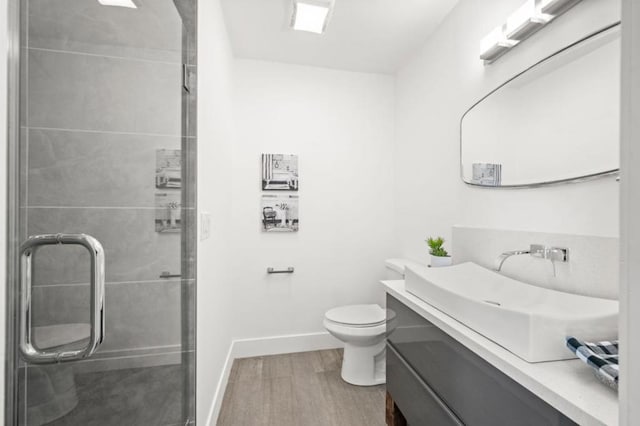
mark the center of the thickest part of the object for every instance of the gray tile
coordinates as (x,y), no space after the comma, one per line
(141,358)
(134,251)
(143,315)
(70,168)
(142,396)
(137,315)
(60,305)
(72,91)
(153,31)
(51,393)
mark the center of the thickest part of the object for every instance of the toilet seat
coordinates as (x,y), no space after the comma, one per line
(357,315)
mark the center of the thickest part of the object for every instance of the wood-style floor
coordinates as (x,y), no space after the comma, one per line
(301,389)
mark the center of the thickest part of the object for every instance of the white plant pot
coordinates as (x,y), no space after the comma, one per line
(438,261)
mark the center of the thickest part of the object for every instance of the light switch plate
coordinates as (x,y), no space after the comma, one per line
(205,225)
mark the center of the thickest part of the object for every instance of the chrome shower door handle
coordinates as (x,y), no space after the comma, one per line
(28,348)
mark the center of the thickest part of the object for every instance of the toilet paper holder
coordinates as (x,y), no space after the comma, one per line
(289,270)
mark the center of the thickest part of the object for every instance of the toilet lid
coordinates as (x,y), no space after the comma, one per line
(357,315)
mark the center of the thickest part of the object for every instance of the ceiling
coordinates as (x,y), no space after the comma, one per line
(363,35)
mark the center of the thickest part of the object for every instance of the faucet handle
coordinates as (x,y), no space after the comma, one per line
(538,250)
(554,254)
(558,254)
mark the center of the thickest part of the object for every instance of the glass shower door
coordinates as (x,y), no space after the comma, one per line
(103,249)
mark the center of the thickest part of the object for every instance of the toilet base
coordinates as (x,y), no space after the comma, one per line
(364,365)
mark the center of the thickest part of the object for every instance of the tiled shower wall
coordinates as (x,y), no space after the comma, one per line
(101,97)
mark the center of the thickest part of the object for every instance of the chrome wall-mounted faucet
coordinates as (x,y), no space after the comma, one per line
(507,254)
(554,254)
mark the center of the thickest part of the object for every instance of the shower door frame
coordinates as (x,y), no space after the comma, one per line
(13,211)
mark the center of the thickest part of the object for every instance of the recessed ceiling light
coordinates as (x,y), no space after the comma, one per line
(120,3)
(311,15)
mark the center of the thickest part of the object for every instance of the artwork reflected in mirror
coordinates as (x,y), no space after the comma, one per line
(279,213)
(555,122)
(279,172)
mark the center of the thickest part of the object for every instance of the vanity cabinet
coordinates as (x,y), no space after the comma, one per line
(435,380)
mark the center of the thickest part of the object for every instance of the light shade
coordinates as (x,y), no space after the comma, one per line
(525,21)
(556,7)
(494,45)
(311,15)
(120,3)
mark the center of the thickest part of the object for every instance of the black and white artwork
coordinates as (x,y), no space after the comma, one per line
(487,174)
(279,213)
(168,212)
(168,168)
(280,172)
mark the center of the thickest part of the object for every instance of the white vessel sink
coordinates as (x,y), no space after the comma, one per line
(530,321)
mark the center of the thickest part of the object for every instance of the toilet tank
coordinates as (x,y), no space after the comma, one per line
(395,268)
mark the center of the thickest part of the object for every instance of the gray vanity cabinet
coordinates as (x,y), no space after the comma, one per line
(435,380)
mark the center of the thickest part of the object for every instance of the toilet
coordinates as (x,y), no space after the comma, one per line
(363,329)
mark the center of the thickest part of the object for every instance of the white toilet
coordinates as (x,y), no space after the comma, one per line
(363,329)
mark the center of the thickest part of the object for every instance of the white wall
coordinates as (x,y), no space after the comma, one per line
(435,88)
(341,126)
(215,139)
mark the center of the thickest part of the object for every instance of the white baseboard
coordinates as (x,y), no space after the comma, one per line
(274,345)
(214,411)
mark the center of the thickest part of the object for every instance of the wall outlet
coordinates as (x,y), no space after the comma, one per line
(205,225)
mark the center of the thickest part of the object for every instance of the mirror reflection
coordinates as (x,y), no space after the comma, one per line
(557,121)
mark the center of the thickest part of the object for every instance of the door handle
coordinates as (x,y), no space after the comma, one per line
(28,348)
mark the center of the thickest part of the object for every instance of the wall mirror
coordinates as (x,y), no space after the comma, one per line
(557,121)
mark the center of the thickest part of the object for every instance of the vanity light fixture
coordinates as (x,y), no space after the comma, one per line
(525,21)
(529,18)
(311,15)
(556,7)
(494,45)
(120,3)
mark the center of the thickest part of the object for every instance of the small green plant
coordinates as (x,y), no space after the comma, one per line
(435,247)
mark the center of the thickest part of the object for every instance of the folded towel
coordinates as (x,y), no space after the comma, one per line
(601,356)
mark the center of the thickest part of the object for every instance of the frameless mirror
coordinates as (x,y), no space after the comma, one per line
(557,121)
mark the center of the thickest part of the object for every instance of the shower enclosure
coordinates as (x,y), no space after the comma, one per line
(101,289)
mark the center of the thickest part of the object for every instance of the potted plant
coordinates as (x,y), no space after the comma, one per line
(439,256)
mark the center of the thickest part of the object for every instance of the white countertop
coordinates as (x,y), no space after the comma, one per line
(568,386)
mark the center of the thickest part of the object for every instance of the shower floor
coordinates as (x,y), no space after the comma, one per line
(300,389)
(138,396)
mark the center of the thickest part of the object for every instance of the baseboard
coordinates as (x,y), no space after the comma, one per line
(131,358)
(214,411)
(274,345)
